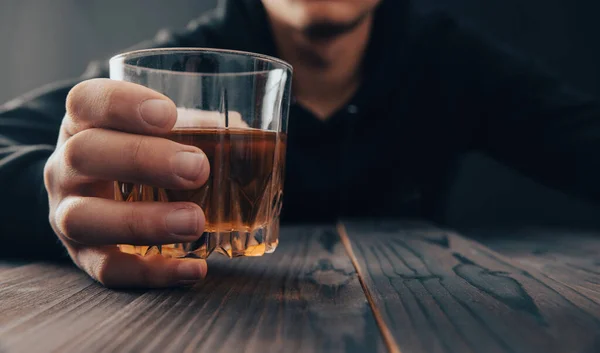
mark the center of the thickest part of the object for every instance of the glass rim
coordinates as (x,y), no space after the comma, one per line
(120,60)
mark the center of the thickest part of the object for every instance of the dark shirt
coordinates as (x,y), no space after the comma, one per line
(432,91)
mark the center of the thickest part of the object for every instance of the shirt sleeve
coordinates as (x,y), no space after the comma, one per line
(29,128)
(521,115)
(28,131)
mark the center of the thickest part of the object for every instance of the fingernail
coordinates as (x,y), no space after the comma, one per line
(188,165)
(156,112)
(182,222)
(191,270)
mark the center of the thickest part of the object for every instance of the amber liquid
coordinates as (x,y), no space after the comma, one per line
(241,200)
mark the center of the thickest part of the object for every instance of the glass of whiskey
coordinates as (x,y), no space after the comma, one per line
(234,107)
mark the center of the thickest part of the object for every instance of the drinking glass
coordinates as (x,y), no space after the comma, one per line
(233,106)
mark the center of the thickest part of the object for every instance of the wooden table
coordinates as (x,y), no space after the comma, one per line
(354,287)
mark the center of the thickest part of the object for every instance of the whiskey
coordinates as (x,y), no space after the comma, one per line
(241,199)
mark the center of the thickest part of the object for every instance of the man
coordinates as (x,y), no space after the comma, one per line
(385,102)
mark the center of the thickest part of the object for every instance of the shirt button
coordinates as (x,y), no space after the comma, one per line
(352,109)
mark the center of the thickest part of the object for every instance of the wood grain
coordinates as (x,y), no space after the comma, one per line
(305,297)
(568,256)
(439,292)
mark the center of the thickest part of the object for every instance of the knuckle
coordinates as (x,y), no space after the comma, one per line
(69,124)
(65,218)
(102,274)
(96,264)
(92,100)
(76,99)
(71,152)
(52,219)
(49,171)
(102,277)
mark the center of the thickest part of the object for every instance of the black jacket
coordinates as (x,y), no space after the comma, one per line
(431,92)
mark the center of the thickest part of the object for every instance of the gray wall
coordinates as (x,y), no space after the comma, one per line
(46,40)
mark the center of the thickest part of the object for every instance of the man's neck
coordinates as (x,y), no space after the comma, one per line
(327,72)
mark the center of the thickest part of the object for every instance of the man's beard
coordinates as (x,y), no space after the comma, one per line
(322,31)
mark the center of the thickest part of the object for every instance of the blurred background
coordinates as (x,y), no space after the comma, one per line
(47,40)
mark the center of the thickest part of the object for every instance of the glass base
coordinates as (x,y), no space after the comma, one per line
(261,241)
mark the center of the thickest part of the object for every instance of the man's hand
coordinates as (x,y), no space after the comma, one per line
(110,133)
